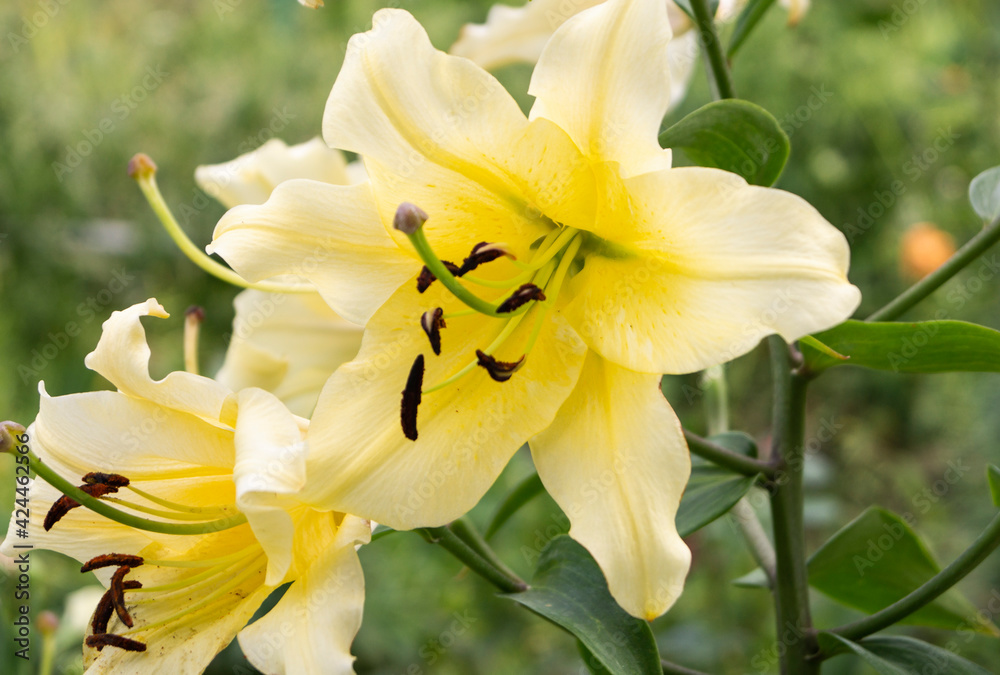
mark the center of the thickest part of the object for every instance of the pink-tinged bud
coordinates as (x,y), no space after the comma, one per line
(9,431)
(409,218)
(47,622)
(141,166)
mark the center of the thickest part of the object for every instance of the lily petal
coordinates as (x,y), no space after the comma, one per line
(604,77)
(288,345)
(715,266)
(329,234)
(311,628)
(616,461)
(122,357)
(270,464)
(251,177)
(467,431)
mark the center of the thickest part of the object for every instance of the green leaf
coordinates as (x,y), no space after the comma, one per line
(756,578)
(525,491)
(711,492)
(570,591)
(924,347)
(993,475)
(878,559)
(749,17)
(733,135)
(737,441)
(984,193)
(899,655)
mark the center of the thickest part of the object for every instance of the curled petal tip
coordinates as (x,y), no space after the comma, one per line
(409,218)
(141,166)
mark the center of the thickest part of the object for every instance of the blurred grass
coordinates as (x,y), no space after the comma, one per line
(233,70)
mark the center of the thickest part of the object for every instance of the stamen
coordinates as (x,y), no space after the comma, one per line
(143,170)
(193,316)
(432,322)
(427,277)
(208,511)
(523,295)
(102,640)
(112,560)
(117,591)
(77,496)
(176,515)
(482,253)
(102,614)
(200,576)
(500,371)
(95,477)
(65,504)
(411,398)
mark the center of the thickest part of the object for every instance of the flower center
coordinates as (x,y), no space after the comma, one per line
(533,290)
(210,579)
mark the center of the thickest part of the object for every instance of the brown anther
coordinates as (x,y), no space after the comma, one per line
(432,321)
(411,398)
(526,293)
(101,640)
(117,590)
(65,504)
(500,371)
(427,277)
(482,253)
(113,479)
(102,614)
(112,560)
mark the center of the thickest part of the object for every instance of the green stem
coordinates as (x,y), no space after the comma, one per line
(748,466)
(791,592)
(525,491)
(964,256)
(450,542)
(467,532)
(981,548)
(712,46)
(674,669)
(108,511)
(48,654)
(752,16)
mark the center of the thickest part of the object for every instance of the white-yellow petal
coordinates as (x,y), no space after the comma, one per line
(604,77)
(717,265)
(360,462)
(616,461)
(329,234)
(251,177)
(270,467)
(122,357)
(288,345)
(310,630)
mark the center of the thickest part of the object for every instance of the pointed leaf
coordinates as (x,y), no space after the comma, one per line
(756,578)
(749,18)
(570,591)
(737,441)
(878,559)
(993,475)
(711,492)
(899,655)
(923,347)
(984,193)
(733,135)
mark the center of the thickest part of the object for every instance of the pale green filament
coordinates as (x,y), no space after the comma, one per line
(552,291)
(128,519)
(176,515)
(147,183)
(208,599)
(224,564)
(206,510)
(208,562)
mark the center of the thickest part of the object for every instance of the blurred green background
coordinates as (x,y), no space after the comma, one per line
(217,77)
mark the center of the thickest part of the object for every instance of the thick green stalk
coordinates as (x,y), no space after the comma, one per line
(748,466)
(450,542)
(963,257)
(710,42)
(791,591)
(467,532)
(984,545)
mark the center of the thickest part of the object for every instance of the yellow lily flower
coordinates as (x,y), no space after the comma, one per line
(603,268)
(201,522)
(519,34)
(287,344)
